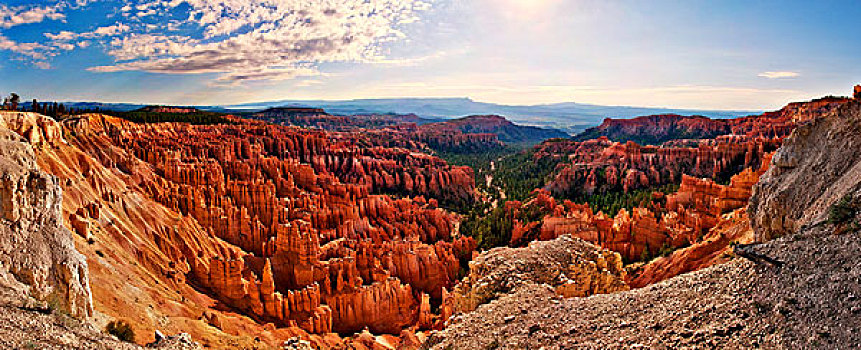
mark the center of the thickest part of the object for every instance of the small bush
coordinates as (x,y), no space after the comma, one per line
(57,306)
(842,211)
(122,330)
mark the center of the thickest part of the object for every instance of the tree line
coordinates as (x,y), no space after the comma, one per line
(54,110)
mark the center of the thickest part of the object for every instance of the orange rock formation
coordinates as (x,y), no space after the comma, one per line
(265,230)
(688,214)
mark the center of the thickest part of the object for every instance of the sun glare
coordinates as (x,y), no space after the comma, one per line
(525,9)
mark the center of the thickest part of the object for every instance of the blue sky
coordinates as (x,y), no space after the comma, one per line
(682,54)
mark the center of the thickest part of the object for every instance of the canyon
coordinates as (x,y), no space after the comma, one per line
(346,232)
(668,233)
(804,229)
(285,233)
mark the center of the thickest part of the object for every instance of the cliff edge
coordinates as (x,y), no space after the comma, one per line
(37,253)
(818,165)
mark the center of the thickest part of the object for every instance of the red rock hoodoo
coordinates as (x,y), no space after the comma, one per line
(291,228)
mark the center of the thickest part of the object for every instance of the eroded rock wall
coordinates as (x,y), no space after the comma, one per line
(35,247)
(818,164)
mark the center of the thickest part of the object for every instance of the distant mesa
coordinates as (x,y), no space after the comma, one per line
(658,129)
(505,130)
(857,94)
(295,111)
(168,109)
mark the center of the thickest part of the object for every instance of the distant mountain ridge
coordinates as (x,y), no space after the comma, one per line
(425,129)
(656,129)
(571,117)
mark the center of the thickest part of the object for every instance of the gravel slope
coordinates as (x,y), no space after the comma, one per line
(813,301)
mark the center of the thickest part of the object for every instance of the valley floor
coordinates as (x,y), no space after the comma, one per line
(812,301)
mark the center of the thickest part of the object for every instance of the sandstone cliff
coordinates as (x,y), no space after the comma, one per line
(726,211)
(657,129)
(600,165)
(37,253)
(698,216)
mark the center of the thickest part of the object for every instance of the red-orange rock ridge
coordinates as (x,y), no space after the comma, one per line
(685,217)
(601,165)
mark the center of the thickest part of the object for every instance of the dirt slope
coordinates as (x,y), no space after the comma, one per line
(813,301)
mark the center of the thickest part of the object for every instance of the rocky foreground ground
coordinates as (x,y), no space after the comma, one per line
(30,324)
(812,301)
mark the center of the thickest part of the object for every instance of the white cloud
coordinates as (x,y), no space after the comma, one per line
(411,61)
(240,40)
(266,74)
(263,39)
(13,16)
(779,75)
(65,36)
(35,51)
(62,35)
(307,83)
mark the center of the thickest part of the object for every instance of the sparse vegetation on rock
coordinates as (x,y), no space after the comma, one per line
(122,330)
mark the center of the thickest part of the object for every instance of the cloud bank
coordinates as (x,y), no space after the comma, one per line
(238,40)
(248,40)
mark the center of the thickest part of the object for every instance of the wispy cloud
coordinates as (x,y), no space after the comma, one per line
(307,83)
(248,40)
(779,74)
(411,61)
(34,51)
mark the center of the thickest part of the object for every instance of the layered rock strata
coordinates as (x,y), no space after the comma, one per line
(680,219)
(600,165)
(657,129)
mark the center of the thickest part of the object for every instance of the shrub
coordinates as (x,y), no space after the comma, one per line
(122,330)
(842,211)
(55,305)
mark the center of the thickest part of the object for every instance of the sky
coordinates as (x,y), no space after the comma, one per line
(752,55)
